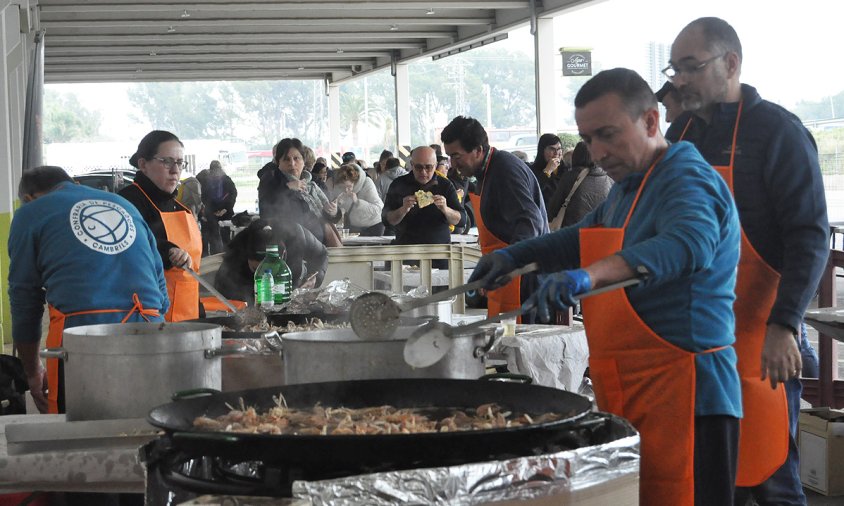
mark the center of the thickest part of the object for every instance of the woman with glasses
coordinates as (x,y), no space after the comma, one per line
(160,159)
(548,166)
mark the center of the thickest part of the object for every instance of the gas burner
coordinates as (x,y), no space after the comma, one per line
(189,474)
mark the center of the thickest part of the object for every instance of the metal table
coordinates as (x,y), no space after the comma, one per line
(828,320)
(379,240)
(106,470)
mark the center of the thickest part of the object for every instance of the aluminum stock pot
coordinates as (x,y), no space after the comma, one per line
(340,355)
(124,370)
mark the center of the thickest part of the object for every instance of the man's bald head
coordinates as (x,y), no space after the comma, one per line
(423,161)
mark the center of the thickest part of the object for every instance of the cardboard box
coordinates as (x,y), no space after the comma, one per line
(822,450)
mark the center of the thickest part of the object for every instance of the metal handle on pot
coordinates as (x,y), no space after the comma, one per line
(507,376)
(195,392)
(274,341)
(227,351)
(481,351)
(59,353)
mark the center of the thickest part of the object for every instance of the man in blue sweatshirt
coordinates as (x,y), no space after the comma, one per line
(661,353)
(771,162)
(90,256)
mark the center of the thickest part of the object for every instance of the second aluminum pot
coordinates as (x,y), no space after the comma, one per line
(124,370)
(340,355)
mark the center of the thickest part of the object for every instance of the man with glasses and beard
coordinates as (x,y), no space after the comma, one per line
(770,162)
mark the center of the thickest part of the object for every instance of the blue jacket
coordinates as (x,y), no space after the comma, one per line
(778,190)
(685,231)
(81,249)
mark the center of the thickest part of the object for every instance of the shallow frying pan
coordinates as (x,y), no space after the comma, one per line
(365,452)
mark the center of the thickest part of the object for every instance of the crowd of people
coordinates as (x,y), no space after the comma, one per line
(722,221)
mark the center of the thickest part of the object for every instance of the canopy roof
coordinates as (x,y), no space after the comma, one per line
(159,40)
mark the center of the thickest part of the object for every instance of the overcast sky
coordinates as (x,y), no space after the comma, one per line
(792,50)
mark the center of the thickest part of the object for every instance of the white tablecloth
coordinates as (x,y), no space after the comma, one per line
(553,355)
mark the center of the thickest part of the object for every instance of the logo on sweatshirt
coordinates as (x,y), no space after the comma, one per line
(103,226)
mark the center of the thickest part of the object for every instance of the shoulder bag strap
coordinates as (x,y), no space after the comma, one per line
(558,220)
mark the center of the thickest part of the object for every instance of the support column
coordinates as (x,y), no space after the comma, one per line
(402,105)
(333,119)
(545,58)
(15,44)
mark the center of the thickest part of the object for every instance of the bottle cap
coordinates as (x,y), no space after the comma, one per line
(268,271)
(272,248)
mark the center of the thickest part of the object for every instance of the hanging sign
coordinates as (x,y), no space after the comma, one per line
(577,62)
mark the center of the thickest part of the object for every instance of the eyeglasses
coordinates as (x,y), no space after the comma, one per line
(672,71)
(419,166)
(171,162)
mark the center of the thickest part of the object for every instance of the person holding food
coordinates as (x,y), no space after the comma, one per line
(283,195)
(548,166)
(89,255)
(661,354)
(507,201)
(357,197)
(421,205)
(160,159)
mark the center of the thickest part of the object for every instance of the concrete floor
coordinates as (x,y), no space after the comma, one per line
(815,499)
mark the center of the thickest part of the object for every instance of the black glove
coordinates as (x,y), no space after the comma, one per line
(491,268)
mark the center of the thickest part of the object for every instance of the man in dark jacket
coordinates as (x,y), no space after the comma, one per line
(772,164)
(218,196)
(508,203)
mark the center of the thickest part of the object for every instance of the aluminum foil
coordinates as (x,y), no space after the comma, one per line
(335,297)
(558,474)
(267,344)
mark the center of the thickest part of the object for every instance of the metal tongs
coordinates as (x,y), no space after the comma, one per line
(431,342)
(374,315)
(245,317)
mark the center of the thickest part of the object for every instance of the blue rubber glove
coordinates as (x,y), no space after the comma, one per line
(491,267)
(558,290)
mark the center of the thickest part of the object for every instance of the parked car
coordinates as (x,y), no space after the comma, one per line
(112,180)
(521,142)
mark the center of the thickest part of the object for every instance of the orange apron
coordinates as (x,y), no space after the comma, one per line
(182,290)
(54,340)
(763,440)
(642,377)
(508,297)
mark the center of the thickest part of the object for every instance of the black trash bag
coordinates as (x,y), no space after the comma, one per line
(13,385)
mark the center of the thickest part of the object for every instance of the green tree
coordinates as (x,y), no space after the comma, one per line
(569,140)
(191,110)
(357,106)
(67,120)
(827,108)
(278,109)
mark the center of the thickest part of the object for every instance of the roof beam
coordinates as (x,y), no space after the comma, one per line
(126,6)
(256,22)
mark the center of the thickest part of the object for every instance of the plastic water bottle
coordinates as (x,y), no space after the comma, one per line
(282,286)
(267,284)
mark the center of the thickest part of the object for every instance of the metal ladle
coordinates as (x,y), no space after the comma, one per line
(248,316)
(374,315)
(431,342)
